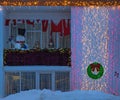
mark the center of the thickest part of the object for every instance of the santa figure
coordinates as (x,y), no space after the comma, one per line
(20,40)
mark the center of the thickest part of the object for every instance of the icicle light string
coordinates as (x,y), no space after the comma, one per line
(94,23)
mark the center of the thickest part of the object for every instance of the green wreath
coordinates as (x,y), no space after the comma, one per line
(92,67)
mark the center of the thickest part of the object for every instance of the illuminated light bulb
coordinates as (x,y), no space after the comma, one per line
(118,7)
(35,3)
(113,8)
(91,7)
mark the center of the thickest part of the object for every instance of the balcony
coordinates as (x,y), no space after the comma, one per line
(48,57)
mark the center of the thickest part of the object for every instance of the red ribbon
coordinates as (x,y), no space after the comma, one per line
(93,66)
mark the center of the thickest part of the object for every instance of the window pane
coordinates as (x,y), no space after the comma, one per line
(32,38)
(62,81)
(27,80)
(45,39)
(45,81)
(12,82)
(33,27)
(20,25)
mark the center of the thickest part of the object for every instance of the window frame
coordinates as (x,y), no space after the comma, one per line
(37,79)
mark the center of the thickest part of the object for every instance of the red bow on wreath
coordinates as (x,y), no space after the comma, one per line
(95,66)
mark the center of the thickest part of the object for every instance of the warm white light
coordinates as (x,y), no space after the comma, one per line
(94,44)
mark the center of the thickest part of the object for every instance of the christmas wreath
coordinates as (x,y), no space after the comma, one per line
(95,70)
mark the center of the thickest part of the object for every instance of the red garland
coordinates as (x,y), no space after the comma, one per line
(56,28)
(30,22)
(66,26)
(44,25)
(7,21)
(63,26)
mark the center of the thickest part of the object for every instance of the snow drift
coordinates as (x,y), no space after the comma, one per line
(58,95)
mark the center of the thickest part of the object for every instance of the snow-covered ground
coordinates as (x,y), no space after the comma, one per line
(51,95)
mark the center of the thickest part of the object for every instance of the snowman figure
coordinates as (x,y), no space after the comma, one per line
(20,40)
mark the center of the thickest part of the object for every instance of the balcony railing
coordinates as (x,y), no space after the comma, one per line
(49,57)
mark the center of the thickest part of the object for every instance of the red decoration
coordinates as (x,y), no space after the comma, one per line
(30,22)
(7,22)
(93,66)
(14,21)
(56,28)
(63,27)
(44,25)
(23,21)
(66,26)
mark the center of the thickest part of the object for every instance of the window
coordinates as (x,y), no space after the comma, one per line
(12,82)
(45,81)
(34,34)
(27,80)
(19,81)
(22,81)
(62,81)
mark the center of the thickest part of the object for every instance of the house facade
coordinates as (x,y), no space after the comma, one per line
(68,48)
